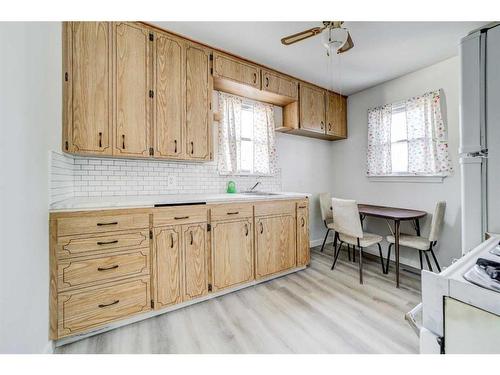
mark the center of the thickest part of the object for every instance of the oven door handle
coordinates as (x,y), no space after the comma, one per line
(410,317)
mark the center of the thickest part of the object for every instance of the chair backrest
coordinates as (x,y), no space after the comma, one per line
(346,217)
(325,203)
(437,221)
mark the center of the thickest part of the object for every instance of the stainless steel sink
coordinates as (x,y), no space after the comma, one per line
(264,193)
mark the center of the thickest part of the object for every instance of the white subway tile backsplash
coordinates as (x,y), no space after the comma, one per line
(75,176)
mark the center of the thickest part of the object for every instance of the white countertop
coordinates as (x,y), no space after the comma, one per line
(145,201)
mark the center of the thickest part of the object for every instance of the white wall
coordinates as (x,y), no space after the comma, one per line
(30,120)
(348,159)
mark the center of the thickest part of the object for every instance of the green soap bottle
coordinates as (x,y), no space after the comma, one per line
(231,187)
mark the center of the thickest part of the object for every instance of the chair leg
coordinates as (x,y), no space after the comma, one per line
(360,265)
(336,253)
(324,241)
(428,261)
(435,260)
(388,258)
(381,258)
(420,257)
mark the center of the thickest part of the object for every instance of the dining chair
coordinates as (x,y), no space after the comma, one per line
(423,244)
(347,224)
(325,204)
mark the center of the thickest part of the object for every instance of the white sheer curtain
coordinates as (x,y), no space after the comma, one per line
(263,141)
(378,158)
(426,137)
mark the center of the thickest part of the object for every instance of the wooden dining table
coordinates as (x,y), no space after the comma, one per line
(394,214)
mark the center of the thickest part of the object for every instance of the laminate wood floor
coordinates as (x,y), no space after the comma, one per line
(311,311)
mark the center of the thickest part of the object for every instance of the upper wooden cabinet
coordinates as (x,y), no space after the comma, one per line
(336,121)
(133,91)
(237,70)
(132,70)
(280,84)
(87,117)
(312,108)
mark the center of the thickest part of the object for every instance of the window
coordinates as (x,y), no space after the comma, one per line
(408,138)
(246,137)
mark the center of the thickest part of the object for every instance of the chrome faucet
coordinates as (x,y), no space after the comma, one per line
(253,187)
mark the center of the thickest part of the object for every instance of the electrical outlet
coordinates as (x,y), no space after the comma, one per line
(172,182)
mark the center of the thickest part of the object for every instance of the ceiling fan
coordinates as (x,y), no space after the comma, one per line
(335,36)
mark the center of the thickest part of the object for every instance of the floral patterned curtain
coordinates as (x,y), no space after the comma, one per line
(427,136)
(264,144)
(378,158)
(229,127)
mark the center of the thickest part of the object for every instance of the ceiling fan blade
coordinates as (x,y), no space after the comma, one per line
(301,36)
(347,45)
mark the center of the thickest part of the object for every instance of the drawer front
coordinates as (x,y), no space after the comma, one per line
(86,245)
(83,310)
(231,211)
(67,226)
(90,271)
(178,215)
(275,208)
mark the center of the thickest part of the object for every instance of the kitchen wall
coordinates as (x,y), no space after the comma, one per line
(348,159)
(30,121)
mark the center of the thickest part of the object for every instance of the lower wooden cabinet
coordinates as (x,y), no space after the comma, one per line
(195,268)
(232,253)
(274,244)
(168,266)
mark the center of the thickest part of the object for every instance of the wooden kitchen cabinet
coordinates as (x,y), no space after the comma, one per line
(280,84)
(168,266)
(236,70)
(312,108)
(198,103)
(195,267)
(132,70)
(275,244)
(336,121)
(232,253)
(303,249)
(87,86)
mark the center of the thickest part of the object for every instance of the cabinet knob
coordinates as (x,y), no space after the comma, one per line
(123,141)
(175,146)
(100,139)
(246,229)
(192,147)
(267,81)
(322,125)
(255,78)
(261,228)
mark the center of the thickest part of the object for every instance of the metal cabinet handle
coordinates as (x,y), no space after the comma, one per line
(123,141)
(267,81)
(302,206)
(108,268)
(261,228)
(192,147)
(100,139)
(191,234)
(246,229)
(107,242)
(303,222)
(109,304)
(322,125)
(102,224)
(175,146)
(233,213)
(329,126)
(180,217)
(171,241)
(255,78)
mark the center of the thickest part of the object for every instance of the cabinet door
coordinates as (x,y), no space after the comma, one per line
(198,98)
(342,116)
(275,244)
(232,253)
(87,89)
(169,89)
(303,251)
(168,266)
(312,108)
(195,260)
(132,85)
(332,102)
(279,84)
(227,67)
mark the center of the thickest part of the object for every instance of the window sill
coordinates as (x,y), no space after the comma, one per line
(403,178)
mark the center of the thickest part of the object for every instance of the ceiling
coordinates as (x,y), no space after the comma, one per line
(382,50)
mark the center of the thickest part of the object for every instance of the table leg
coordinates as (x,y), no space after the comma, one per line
(396,247)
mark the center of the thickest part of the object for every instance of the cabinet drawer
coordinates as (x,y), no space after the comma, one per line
(83,245)
(103,223)
(274,208)
(85,309)
(91,271)
(180,215)
(231,211)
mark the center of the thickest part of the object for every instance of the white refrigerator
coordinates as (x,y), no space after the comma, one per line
(480,135)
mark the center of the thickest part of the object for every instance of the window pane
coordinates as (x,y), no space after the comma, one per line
(246,157)
(399,157)
(247,123)
(398,126)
